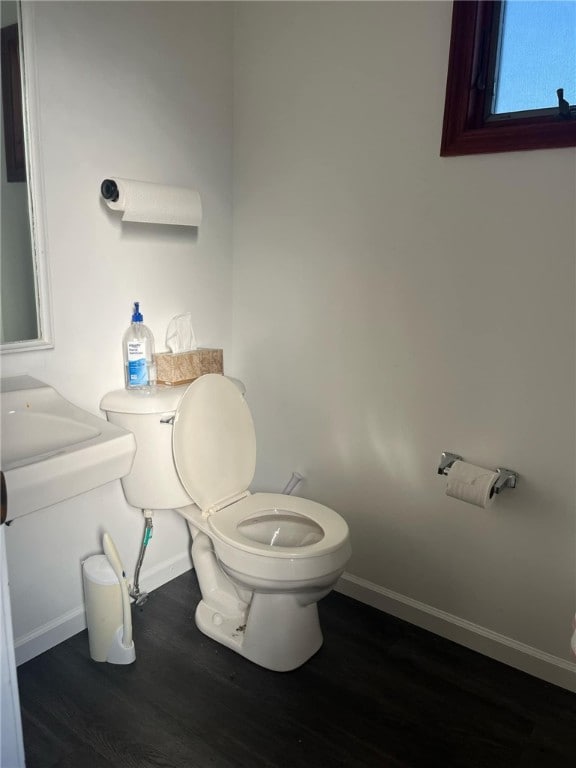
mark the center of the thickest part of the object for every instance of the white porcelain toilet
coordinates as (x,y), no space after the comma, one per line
(262,560)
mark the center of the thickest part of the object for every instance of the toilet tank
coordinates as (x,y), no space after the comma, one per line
(153,482)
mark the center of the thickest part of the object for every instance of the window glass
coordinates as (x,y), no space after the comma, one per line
(537,55)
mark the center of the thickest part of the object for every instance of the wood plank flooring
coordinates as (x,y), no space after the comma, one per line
(380,693)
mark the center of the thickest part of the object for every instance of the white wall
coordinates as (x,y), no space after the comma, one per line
(140,90)
(391,304)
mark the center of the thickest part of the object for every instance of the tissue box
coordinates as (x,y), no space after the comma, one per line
(183,367)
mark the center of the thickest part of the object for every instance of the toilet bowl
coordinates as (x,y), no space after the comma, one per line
(263,560)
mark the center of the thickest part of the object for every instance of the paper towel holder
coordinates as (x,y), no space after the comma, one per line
(109,190)
(507,478)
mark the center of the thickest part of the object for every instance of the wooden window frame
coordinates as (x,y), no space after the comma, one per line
(466,130)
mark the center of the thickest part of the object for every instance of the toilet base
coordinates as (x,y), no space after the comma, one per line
(280,634)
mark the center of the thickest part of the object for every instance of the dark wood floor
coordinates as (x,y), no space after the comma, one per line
(379,693)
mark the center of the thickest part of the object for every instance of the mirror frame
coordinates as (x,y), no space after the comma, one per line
(35,180)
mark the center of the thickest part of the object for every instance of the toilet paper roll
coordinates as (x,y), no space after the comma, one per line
(470,483)
(154,203)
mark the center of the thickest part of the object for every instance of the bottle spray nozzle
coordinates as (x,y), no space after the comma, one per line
(136,316)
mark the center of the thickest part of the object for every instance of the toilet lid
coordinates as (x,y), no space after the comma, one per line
(214,442)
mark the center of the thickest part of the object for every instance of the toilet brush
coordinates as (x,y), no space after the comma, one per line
(122,650)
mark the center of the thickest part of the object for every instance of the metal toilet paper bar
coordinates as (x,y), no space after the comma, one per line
(507,478)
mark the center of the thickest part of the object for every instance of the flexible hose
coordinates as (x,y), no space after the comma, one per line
(135,593)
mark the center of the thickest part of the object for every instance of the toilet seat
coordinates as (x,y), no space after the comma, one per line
(226,525)
(214,443)
(214,447)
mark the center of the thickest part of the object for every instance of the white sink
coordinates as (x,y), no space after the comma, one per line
(53,450)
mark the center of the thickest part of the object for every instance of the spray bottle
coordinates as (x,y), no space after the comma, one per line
(138,348)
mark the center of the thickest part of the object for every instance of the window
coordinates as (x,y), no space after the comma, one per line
(511,77)
(536,56)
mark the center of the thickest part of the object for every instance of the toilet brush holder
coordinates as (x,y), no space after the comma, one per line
(105,614)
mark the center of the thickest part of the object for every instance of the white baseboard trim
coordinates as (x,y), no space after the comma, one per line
(164,572)
(70,623)
(500,647)
(48,635)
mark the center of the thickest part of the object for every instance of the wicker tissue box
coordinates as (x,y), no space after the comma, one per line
(183,367)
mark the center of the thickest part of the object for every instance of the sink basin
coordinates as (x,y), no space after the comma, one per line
(27,435)
(52,450)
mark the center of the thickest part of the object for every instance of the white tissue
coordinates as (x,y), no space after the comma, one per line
(156,203)
(180,334)
(470,483)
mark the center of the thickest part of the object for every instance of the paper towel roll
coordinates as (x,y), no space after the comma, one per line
(470,483)
(152,203)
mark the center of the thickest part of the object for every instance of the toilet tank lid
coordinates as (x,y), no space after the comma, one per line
(160,399)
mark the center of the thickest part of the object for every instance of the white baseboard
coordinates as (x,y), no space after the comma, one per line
(524,657)
(164,572)
(48,635)
(70,623)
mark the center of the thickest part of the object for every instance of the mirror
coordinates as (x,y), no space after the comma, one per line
(24,316)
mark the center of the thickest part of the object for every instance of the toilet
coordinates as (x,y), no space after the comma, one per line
(263,560)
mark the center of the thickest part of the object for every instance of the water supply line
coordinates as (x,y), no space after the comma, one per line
(135,593)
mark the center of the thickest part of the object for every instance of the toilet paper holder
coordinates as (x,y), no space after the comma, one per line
(507,478)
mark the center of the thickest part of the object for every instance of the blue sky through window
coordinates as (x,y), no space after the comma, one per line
(537,55)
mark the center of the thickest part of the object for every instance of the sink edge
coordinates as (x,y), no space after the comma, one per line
(93,465)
